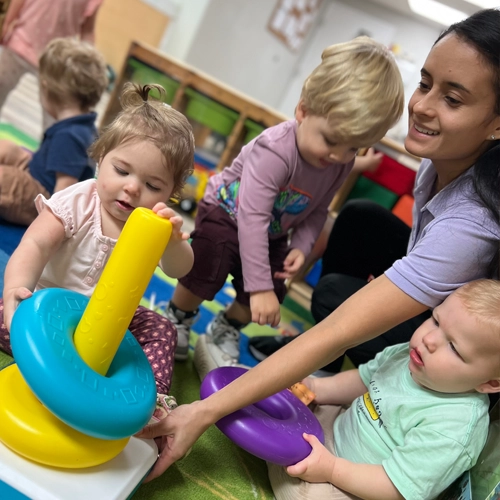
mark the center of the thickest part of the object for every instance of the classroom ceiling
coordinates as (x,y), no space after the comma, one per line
(403,7)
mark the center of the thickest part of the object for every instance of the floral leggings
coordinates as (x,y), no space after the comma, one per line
(156,335)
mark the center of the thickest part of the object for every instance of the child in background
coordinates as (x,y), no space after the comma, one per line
(281,182)
(29,26)
(419,412)
(144,158)
(72,80)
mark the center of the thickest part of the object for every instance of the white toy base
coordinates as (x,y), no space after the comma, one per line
(114,480)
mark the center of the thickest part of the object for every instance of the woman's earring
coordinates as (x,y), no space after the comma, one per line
(493,138)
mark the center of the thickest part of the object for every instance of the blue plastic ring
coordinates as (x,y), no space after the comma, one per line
(111,407)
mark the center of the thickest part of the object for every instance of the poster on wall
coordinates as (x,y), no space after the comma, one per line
(292,19)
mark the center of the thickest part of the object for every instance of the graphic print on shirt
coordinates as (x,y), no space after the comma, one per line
(371,407)
(290,200)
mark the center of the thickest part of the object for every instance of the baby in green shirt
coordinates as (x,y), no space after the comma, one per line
(418,415)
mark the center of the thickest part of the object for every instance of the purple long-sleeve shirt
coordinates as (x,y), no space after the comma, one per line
(453,239)
(269,190)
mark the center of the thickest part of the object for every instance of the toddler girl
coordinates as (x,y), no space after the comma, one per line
(144,157)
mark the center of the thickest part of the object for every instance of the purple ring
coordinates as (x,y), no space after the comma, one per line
(270,429)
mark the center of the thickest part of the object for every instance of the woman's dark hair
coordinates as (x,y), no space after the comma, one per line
(482,31)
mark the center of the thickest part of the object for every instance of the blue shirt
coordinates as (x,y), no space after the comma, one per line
(64,150)
(453,239)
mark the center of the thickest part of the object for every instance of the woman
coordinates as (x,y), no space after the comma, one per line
(455,123)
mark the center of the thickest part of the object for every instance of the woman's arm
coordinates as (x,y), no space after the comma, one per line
(340,389)
(11,18)
(374,309)
(41,240)
(87,32)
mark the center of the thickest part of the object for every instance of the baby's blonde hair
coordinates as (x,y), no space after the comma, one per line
(358,88)
(481,298)
(72,69)
(145,118)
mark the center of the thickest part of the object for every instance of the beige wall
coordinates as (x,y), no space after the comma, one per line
(119,22)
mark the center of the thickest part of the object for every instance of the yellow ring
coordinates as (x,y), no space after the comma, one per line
(31,430)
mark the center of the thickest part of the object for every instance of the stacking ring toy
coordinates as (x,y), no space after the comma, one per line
(270,429)
(111,407)
(82,384)
(37,434)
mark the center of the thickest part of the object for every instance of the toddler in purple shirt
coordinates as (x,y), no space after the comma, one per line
(260,217)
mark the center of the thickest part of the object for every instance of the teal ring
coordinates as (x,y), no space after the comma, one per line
(107,407)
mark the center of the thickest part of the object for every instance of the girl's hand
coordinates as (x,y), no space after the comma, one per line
(293,262)
(265,308)
(12,299)
(176,220)
(317,467)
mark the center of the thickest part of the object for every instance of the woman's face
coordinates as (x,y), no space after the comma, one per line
(451,114)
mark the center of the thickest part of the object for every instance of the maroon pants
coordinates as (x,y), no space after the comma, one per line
(156,335)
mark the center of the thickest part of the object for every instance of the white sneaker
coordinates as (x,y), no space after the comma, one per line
(224,336)
(183,327)
(208,357)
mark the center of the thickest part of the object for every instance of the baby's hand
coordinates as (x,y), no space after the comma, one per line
(265,308)
(310,383)
(11,299)
(317,467)
(176,220)
(293,262)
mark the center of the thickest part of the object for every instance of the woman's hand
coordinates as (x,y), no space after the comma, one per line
(176,220)
(293,262)
(265,308)
(369,162)
(178,432)
(11,300)
(317,467)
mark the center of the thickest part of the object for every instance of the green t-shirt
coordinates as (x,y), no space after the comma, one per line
(423,439)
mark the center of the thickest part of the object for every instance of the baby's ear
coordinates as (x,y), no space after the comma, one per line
(490,387)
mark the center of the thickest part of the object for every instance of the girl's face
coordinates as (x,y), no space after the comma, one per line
(451,114)
(130,176)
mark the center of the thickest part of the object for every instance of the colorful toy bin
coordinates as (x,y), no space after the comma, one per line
(208,116)
(143,74)
(252,130)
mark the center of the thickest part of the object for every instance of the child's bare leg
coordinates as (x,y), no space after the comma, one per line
(185,300)
(239,312)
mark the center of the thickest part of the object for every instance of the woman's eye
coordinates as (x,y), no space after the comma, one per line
(423,86)
(452,101)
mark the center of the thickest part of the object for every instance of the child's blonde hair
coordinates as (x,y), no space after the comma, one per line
(482,299)
(145,118)
(358,88)
(70,68)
